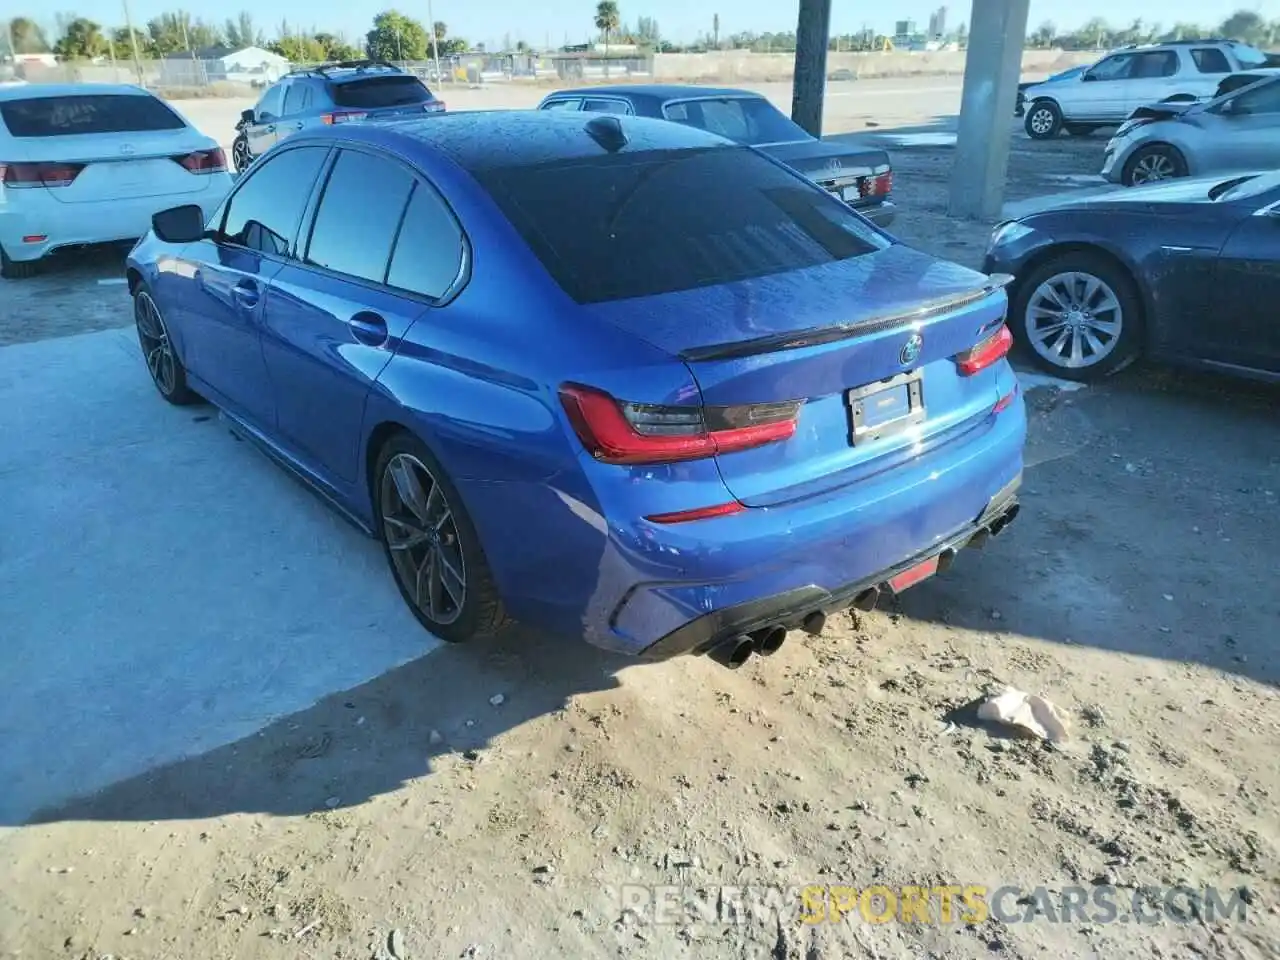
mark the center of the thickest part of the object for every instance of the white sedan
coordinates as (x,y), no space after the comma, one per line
(90,163)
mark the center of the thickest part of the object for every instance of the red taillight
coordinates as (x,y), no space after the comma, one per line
(343,116)
(204,161)
(698,513)
(989,351)
(878,186)
(17,176)
(614,431)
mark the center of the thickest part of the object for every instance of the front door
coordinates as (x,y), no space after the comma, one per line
(229,281)
(335,318)
(1250,123)
(261,134)
(1246,330)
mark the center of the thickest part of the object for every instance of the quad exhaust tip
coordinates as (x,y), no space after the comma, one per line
(770,641)
(867,599)
(734,652)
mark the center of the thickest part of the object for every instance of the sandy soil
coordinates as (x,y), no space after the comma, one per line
(510,799)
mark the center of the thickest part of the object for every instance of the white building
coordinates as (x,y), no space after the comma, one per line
(253,65)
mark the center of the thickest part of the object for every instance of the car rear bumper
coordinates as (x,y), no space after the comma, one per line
(682,588)
(59,224)
(792,608)
(881,214)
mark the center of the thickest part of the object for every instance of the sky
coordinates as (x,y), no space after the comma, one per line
(556,21)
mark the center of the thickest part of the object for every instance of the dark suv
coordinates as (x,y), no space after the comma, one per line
(328,94)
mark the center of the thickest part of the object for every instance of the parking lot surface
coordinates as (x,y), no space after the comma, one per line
(231,740)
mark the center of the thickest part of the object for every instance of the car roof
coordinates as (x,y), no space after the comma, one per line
(33,91)
(656,91)
(489,139)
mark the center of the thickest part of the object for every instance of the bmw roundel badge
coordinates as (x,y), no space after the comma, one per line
(910,352)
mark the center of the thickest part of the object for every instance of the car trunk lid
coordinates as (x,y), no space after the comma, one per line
(119,166)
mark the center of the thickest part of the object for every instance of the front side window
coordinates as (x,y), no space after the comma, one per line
(752,120)
(359,215)
(1112,68)
(87,113)
(1210,60)
(662,221)
(1260,100)
(263,214)
(269,106)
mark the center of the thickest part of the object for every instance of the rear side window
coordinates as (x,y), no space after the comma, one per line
(751,120)
(374,92)
(264,213)
(607,106)
(359,215)
(662,221)
(1151,65)
(87,113)
(428,254)
(298,99)
(1210,60)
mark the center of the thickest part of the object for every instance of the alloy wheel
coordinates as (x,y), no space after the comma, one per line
(157,350)
(422,537)
(1153,167)
(1041,120)
(1074,320)
(240,154)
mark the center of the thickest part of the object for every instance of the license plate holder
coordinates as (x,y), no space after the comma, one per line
(914,574)
(881,409)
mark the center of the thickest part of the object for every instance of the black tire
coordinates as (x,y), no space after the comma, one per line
(168,375)
(1153,163)
(240,153)
(481,612)
(1127,346)
(17,269)
(1043,120)
(1079,129)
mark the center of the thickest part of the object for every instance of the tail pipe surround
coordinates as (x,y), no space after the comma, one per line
(734,652)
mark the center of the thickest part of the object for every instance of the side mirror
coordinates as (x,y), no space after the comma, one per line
(246,116)
(183,224)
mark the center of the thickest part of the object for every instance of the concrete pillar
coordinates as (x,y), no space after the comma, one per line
(809,84)
(993,67)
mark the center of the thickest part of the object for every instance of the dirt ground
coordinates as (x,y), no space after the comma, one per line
(514,799)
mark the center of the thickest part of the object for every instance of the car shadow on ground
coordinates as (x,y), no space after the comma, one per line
(1151,508)
(367,741)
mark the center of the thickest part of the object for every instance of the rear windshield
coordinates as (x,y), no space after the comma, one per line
(374,92)
(87,113)
(1249,57)
(752,120)
(625,225)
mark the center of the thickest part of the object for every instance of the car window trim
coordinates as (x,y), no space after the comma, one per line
(220,237)
(461,278)
(576,99)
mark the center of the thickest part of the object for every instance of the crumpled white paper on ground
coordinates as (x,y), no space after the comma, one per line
(1027,712)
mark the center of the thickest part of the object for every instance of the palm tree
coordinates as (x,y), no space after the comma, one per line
(607,20)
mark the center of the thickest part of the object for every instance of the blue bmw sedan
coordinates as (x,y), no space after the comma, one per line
(611,377)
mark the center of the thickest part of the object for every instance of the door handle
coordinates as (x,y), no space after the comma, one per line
(271,128)
(368,328)
(246,293)
(297,126)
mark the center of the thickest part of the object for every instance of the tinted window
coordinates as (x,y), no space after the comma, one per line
(373,92)
(1249,57)
(661,221)
(751,120)
(1163,63)
(87,113)
(264,213)
(269,105)
(1211,60)
(428,251)
(562,105)
(1112,68)
(359,215)
(1263,99)
(607,106)
(298,99)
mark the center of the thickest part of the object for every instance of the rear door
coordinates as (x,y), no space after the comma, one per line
(223,309)
(382,248)
(1246,328)
(297,103)
(116,146)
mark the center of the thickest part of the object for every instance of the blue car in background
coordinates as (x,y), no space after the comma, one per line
(610,377)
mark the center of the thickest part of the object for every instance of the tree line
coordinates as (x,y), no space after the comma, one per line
(393,36)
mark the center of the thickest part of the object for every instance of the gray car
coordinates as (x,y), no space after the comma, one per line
(1238,132)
